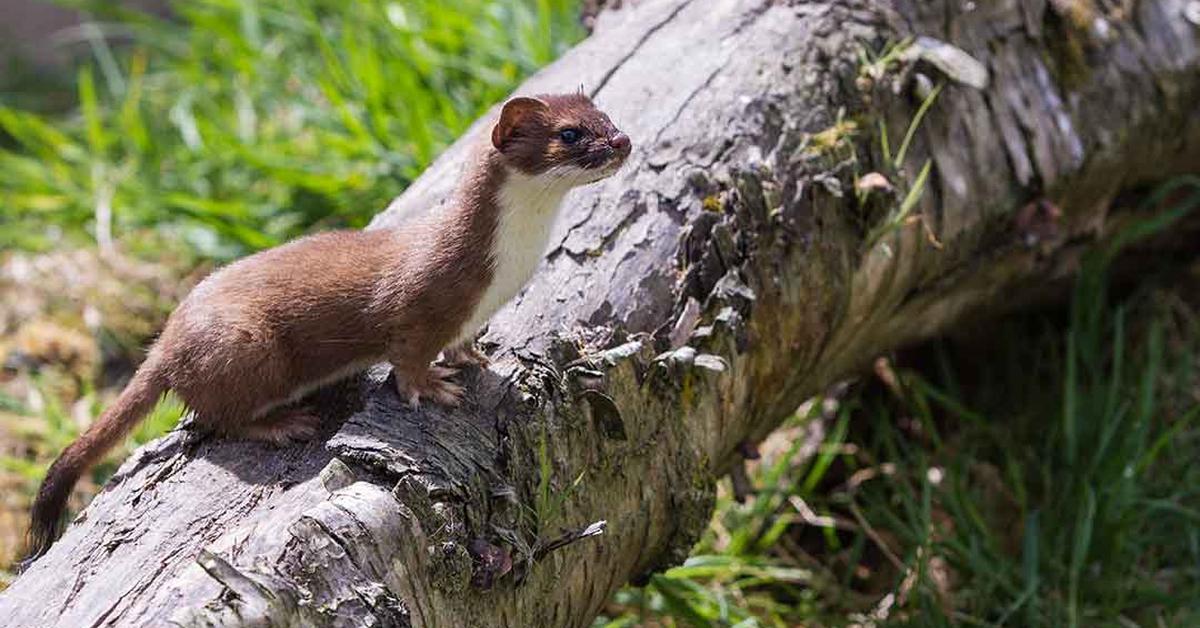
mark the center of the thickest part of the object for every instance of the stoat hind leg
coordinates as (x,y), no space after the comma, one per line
(281,426)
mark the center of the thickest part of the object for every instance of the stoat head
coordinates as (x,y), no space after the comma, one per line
(561,136)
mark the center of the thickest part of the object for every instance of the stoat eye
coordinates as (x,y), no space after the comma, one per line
(570,136)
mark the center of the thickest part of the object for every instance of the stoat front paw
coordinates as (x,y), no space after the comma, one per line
(430,385)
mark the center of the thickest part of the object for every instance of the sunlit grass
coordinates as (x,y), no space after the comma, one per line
(243,123)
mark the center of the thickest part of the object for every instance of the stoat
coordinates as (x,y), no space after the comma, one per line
(260,333)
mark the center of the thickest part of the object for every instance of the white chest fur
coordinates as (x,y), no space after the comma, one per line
(528,207)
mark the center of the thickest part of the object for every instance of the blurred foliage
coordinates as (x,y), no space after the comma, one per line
(241,123)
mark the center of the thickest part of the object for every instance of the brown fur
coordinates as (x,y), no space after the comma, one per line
(260,333)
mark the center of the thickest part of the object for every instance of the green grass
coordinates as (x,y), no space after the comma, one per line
(1073,511)
(247,122)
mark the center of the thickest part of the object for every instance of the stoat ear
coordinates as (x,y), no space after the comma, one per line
(515,111)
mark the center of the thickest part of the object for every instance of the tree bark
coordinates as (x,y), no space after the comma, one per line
(739,264)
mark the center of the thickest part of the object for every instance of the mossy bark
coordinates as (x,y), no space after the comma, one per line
(687,304)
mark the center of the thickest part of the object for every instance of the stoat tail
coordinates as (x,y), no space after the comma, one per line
(137,400)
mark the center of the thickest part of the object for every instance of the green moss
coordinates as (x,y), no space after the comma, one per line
(687,393)
(450,567)
(1079,13)
(1067,34)
(833,140)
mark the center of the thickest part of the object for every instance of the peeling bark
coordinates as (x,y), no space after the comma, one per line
(686,305)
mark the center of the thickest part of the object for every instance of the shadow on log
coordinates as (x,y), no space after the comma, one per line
(743,261)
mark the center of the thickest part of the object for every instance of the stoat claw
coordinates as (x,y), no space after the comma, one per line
(431,385)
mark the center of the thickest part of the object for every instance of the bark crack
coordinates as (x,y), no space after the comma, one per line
(637,46)
(687,101)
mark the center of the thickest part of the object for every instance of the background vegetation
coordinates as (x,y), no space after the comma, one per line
(240,124)
(1039,477)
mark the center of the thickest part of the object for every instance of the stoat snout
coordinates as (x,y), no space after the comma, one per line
(621,144)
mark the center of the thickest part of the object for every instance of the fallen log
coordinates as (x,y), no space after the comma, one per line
(813,183)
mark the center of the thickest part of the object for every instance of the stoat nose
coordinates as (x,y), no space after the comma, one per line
(621,143)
